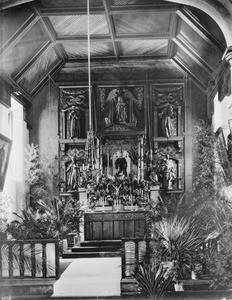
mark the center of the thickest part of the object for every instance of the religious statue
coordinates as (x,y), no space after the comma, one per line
(121,109)
(74,116)
(121,164)
(167,116)
(73,169)
(169,172)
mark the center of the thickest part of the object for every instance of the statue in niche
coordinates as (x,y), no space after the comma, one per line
(74,117)
(167,116)
(74,174)
(121,165)
(73,104)
(121,109)
(169,172)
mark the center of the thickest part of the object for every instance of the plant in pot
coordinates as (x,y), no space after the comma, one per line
(179,238)
(154,278)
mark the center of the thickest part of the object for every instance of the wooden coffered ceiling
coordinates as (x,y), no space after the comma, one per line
(45,38)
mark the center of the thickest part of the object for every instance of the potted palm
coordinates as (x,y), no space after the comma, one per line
(179,237)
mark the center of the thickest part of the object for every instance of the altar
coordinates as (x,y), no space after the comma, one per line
(114,225)
(122,160)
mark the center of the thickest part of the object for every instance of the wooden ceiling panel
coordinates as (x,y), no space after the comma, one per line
(135,2)
(40,69)
(69,3)
(194,68)
(17,57)
(10,28)
(143,47)
(79,49)
(210,24)
(142,23)
(203,48)
(77,25)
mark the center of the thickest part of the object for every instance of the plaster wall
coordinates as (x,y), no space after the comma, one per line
(44,132)
(13,126)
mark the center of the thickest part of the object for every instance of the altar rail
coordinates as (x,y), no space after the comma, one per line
(29,259)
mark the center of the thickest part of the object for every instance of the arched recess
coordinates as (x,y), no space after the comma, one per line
(221,13)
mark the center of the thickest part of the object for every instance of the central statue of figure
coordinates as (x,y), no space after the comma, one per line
(121,109)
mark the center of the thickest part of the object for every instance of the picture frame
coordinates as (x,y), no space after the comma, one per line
(5,149)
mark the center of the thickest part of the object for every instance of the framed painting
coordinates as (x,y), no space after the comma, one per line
(5,148)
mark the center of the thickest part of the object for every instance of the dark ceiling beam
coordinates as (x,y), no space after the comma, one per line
(191,20)
(28,24)
(117,38)
(176,59)
(173,30)
(32,61)
(98,63)
(190,52)
(111,27)
(82,38)
(130,9)
(133,9)
(17,87)
(4,4)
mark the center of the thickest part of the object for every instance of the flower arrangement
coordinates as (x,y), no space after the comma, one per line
(129,191)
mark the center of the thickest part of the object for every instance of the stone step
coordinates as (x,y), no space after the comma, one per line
(96,243)
(95,249)
(31,287)
(91,254)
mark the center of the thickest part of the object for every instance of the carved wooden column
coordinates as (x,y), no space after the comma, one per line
(155,122)
(179,121)
(139,159)
(141,154)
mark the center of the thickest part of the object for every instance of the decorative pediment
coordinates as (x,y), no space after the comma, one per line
(120,129)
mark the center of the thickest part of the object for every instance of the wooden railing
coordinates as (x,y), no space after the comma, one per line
(134,251)
(29,259)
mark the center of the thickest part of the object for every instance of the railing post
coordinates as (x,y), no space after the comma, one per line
(33,264)
(10,259)
(123,257)
(57,255)
(44,260)
(21,262)
(136,254)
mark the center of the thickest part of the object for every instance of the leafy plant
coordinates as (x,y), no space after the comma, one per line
(179,238)
(212,179)
(154,281)
(219,263)
(32,225)
(47,221)
(37,177)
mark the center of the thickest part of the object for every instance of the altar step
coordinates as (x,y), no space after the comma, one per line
(95,248)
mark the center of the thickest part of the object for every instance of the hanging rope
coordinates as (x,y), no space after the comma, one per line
(89,70)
